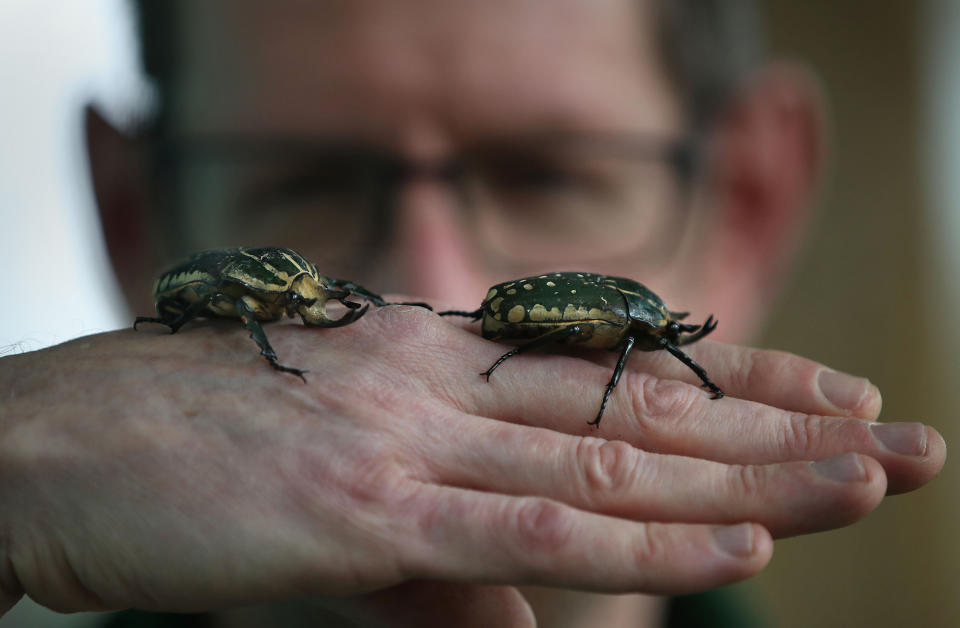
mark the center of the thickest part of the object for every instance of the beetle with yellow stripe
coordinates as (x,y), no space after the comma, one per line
(254,285)
(590,309)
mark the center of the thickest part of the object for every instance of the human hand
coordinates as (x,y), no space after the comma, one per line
(179,472)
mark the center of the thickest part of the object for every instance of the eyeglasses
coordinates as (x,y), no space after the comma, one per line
(569,200)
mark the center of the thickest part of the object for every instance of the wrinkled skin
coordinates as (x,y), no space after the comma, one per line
(204,479)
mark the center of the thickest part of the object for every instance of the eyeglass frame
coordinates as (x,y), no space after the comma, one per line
(682,154)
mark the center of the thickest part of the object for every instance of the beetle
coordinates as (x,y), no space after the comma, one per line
(595,310)
(254,285)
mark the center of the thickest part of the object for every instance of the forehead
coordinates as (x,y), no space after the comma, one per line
(385,69)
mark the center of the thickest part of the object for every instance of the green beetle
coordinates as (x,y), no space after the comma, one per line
(595,310)
(254,285)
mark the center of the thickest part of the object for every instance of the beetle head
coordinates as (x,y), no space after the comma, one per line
(308,298)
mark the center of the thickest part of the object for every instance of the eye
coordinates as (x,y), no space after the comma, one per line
(516,176)
(540,179)
(318,181)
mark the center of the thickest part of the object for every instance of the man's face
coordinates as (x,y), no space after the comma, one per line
(545,107)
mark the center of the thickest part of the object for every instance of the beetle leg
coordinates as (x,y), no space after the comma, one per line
(352,288)
(349,287)
(176,321)
(247,316)
(475,315)
(617,371)
(707,327)
(556,335)
(147,319)
(696,368)
(416,303)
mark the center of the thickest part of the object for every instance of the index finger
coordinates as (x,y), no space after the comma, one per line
(775,378)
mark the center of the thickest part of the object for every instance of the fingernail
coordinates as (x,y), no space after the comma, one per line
(909,439)
(843,391)
(736,540)
(845,468)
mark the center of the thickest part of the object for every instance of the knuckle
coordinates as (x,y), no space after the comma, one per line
(759,369)
(377,484)
(752,370)
(368,478)
(606,466)
(405,339)
(649,545)
(542,526)
(433,517)
(661,401)
(802,433)
(404,321)
(746,482)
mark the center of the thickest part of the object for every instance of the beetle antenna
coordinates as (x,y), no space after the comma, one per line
(475,315)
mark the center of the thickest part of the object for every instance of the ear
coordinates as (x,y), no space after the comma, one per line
(119,186)
(764,169)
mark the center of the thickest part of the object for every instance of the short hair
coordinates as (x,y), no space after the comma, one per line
(707,47)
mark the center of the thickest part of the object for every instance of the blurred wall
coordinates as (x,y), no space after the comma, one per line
(868,299)
(55,57)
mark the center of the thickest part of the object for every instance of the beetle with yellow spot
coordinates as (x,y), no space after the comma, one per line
(590,309)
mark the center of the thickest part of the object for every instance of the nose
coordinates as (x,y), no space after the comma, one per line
(432,250)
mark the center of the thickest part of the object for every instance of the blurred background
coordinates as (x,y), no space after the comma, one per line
(876,291)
